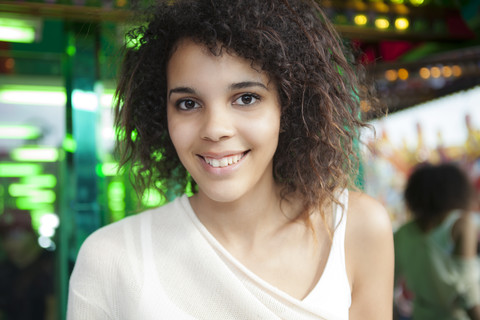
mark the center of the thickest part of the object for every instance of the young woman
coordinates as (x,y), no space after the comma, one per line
(436,252)
(255,105)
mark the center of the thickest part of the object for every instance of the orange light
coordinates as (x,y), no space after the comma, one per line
(403,74)
(365,106)
(424,73)
(436,72)
(9,63)
(457,71)
(447,71)
(391,75)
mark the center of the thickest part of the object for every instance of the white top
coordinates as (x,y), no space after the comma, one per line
(164,264)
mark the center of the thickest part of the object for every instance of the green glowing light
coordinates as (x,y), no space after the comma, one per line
(33,95)
(116,190)
(69,144)
(19,169)
(116,199)
(28,203)
(31,195)
(152,198)
(17,28)
(42,196)
(19,132)
(71,50)
(52,96)
(40,181)
(134,43)
(19,190)
(189,189)
(22,34)
(107,169)
(35,154)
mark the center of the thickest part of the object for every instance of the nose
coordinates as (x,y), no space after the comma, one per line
(218,123)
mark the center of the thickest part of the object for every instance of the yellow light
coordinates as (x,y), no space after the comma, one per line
(391,75)
(382,23)
(402,23)
(457,71)
(417,2)
(424,73)
(436,72)
(403,74)
(360,19)
(447,71)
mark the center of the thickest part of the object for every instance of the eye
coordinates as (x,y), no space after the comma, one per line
(247,99)
(187,104)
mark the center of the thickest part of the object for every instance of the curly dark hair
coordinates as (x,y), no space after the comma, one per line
(433,191)
(318,79)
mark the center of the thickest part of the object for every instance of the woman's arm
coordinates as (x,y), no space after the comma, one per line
(369,258)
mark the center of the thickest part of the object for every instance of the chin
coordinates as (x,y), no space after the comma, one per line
(222,195)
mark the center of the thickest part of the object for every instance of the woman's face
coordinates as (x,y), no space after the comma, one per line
(224,120)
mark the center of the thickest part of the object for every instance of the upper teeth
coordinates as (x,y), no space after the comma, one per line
(223,162)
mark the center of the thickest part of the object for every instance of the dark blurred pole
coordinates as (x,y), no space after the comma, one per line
(80,212)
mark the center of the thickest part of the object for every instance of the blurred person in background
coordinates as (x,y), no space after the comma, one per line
(26,273)
(436,252)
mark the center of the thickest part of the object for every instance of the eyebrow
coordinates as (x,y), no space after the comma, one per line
(234,86)
(181,90)
(247,84)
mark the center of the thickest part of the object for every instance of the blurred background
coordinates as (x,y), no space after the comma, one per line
(58,63)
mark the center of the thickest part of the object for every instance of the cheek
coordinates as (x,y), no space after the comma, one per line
(174,130)
(264,130)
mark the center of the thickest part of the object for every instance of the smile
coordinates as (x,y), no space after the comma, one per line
(225,161)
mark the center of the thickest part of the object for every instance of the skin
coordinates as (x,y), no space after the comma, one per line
(237,112)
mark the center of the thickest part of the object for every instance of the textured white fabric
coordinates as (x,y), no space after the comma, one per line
(164,264)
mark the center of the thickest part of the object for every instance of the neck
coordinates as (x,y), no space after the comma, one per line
(250,218)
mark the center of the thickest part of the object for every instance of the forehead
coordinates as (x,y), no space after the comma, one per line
(194,60)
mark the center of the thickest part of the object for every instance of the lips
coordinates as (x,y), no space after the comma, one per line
(224,161)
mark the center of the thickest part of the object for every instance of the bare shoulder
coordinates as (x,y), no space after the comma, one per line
(366,215)
(369,257)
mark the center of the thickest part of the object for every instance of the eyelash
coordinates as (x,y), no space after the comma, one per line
(181,102)
(252,95)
